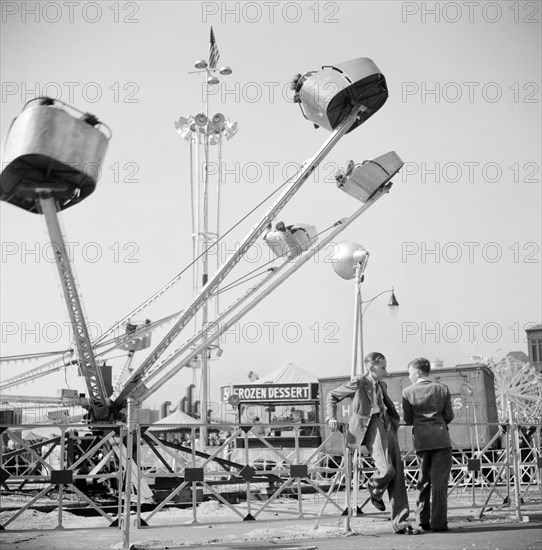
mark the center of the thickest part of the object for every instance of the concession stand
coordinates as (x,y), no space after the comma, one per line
(281,401)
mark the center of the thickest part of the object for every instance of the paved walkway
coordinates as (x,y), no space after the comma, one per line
(485,535)
(372,530)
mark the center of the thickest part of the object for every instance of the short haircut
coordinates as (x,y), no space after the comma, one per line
(374,358)
(421,364)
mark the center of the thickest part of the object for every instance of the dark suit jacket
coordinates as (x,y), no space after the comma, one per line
(427,406)
(361,391)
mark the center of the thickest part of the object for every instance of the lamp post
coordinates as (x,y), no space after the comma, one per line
(203,132)
(349,262)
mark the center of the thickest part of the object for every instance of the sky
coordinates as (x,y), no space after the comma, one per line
(458,237)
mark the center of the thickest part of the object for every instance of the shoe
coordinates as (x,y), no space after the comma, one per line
(376,501)
(408,530)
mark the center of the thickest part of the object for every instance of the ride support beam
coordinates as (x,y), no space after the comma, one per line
(87,363)
(253,297)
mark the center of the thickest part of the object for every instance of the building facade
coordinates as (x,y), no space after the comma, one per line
(534,343)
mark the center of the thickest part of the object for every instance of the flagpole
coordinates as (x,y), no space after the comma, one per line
(213,59)
(205,258)
(213,130)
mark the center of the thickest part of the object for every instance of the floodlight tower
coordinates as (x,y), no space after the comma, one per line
(204,133)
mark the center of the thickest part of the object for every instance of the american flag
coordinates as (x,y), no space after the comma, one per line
(214,55)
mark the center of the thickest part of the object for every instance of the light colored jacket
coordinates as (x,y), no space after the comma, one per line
(361,391)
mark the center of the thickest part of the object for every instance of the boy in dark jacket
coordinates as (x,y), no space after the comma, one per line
(427,407)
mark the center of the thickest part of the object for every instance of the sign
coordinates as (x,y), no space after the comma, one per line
(225,392)
(265,393)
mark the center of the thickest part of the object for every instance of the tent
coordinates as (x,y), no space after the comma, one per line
(32,436)
(37,433)
(288,374)
(176,417)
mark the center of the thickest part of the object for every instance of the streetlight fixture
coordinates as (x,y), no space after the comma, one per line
(393,304)
(349,262)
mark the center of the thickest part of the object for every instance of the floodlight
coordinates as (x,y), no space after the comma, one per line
(212,80)
(225,70)
(231,128)
(218,123)
(185,127)
(201,120)
(181,124)
(201,64)
(347,257)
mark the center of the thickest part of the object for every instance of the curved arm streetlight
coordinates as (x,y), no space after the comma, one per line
(393,304)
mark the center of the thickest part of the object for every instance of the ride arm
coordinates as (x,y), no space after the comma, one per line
(275,279)
(216,280)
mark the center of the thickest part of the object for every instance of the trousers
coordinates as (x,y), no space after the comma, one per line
(383,446)
(432,504)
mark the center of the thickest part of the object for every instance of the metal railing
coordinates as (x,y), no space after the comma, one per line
(75,467)
(85,467)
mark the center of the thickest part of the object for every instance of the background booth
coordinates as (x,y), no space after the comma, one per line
(473,399)
(282,400)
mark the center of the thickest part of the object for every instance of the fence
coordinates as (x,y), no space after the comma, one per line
(83,466)
(61,471)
